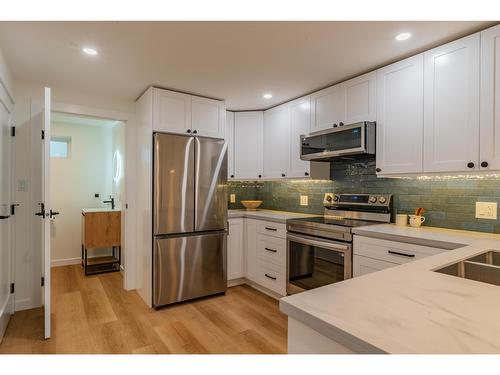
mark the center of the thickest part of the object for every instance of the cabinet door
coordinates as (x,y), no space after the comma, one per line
(451,106)
(248,148)
(235,249)
(229,135)
(171,111)
(207,117)
(277,142)
(400,120)
(363,265)
(251,271)
(490,99)
(360,98)
(327,108)
(300,123)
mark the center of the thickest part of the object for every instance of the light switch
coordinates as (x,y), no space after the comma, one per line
(486,210)
(304,200)
(232,198)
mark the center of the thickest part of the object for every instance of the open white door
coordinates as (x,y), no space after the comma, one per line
(40,121)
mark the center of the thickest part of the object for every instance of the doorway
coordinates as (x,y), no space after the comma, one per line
(87,176)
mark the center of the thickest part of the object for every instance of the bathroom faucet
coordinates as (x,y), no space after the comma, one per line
(112,201)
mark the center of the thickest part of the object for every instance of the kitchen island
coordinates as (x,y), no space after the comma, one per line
(406,309)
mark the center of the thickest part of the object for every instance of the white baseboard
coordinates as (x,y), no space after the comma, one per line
(24,304)
(5,313)
(64,262)
(236,282)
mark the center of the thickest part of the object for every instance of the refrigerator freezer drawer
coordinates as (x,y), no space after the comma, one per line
(187,267)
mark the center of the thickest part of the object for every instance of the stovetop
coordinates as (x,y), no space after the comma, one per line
(331,220)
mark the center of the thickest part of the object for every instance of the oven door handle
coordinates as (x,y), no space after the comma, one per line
(325,245)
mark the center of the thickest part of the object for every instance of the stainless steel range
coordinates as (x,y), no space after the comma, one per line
(319,249)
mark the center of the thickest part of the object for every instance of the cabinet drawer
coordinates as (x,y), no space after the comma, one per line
(392,251)
(271,249)
(364,265)
(272,277)
(272,229)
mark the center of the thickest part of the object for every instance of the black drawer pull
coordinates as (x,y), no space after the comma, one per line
(271,277)
(402,254)
(273,229)
(271,250)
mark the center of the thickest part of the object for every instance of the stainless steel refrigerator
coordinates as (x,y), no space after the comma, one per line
(189,217)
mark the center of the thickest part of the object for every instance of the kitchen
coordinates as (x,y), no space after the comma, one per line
(365,236)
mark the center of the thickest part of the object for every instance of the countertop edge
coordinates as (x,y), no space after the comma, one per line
(332,332)
(239,214)
(447,245)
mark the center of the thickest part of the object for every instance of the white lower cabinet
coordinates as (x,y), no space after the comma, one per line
(235,264)
(373,254)
(256,250)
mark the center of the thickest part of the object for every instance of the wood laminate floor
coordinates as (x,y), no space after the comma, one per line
(95,315)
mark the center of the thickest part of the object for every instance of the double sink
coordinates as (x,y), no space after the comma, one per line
(484,267)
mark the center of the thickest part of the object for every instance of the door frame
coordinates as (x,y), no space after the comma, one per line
(129,274)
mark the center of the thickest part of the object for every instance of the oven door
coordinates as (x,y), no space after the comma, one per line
(341,141)
(313,262)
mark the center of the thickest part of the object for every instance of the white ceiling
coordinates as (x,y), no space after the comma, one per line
(236,61)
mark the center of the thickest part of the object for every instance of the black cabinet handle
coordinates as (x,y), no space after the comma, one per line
(271,277)
(271,250)
(272,229)
(195,131)
(341,123)
(402,254)
(335,125)
(260,176)
(188,131)
(378,170)
(232,176)
(484,164)
(306,173)
(470,165)
(283,175)
(4,217)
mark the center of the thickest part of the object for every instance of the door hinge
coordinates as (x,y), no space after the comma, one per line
(13,208)
(43,134)
(13,131)
(42,281)
(12,288)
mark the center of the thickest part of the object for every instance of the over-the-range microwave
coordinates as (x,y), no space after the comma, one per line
(353,140)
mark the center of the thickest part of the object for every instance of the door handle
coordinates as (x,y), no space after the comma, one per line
(53,213)
(42,210)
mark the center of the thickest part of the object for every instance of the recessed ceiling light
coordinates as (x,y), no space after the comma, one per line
(403,36)
(267,96)
(89,51)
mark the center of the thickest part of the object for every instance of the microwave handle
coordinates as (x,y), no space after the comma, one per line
(325,245)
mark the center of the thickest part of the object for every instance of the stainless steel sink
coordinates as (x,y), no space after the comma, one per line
(484,267)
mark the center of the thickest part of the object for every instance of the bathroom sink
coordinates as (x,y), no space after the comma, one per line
(484,267)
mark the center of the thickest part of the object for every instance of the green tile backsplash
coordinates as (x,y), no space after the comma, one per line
(450,203)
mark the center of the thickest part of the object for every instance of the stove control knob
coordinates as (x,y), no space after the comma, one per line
(372,200)
(329,198)
(382,200)
(335,198)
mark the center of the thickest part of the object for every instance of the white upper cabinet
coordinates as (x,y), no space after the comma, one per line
(248,145)
(229,133)
(490,99)
(174,112)
(400,109)
(207,117)
(300,123)
(171,111)
(277,141)
(327,108)
(451,106)
(360,98)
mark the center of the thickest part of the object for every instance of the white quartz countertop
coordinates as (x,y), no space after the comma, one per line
(99,209)
(267,215)
(408,308)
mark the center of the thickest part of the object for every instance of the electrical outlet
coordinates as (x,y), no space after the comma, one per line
(232,198)
(486,210)
(304,200)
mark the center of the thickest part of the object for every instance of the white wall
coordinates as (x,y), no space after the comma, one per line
(28,294)
(73,183)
